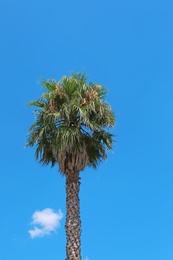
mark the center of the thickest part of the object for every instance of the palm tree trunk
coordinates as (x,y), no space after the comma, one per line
(73,223)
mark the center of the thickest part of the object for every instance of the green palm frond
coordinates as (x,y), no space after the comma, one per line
(49,85)
(37,103)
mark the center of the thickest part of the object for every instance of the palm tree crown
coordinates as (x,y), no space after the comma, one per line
(72,123)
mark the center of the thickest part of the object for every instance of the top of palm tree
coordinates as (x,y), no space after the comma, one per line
(72,122)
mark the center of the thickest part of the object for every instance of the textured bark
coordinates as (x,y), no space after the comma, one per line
(73,223)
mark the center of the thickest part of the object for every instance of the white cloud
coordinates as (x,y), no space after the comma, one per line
(48,220)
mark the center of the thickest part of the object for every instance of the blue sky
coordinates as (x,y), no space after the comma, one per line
(127,204)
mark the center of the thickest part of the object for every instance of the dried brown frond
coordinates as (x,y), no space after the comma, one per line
(89,96)
(72,161)
(97,87)
(52,105)
(59,90)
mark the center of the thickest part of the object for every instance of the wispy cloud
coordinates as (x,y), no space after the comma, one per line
(45,222)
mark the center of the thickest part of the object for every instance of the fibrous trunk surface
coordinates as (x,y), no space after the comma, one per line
(73,223)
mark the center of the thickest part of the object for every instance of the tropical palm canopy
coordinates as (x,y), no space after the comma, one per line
(71,129)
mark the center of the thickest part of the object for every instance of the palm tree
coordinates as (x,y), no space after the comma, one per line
(71,129)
